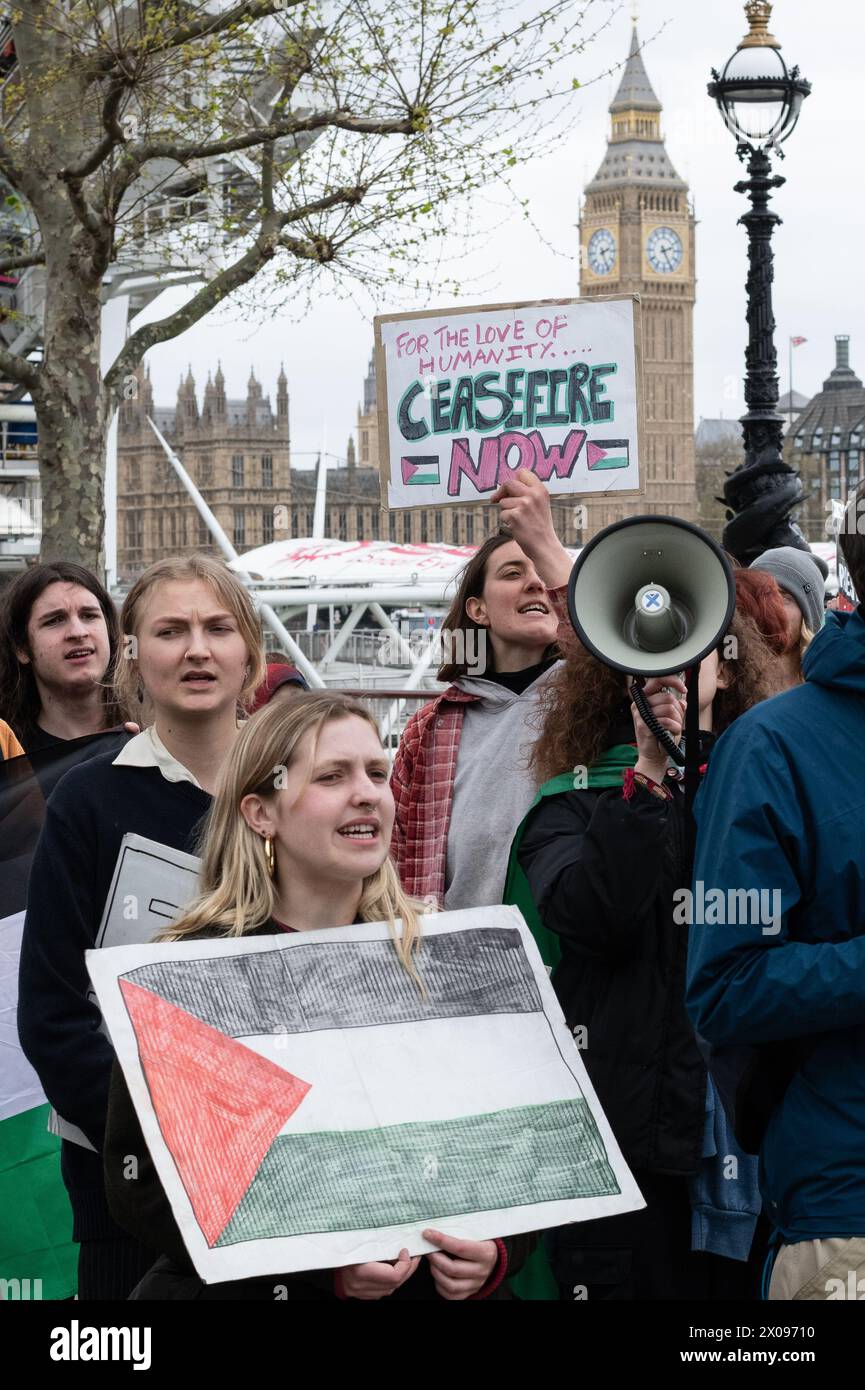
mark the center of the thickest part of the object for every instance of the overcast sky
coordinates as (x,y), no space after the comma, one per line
(818,250)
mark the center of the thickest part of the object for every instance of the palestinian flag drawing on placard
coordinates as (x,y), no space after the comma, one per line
(306,1108)
(607,453)
(420,470)
(37,1255)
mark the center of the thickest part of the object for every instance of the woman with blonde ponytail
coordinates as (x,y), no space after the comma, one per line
(297,839)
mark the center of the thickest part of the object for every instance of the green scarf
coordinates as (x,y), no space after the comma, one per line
(606,772)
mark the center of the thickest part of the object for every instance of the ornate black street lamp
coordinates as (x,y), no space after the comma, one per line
(760,98)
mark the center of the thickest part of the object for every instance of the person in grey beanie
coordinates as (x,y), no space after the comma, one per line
(800,578)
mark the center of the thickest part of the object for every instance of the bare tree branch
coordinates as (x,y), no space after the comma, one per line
(243,270)
(208,24)
(318,248)
(86,215)
(113,136)
(135,157)
(204,26)
(268,149)
(10,167)
(267,176)
(22,262)
(168,148)
(19,369)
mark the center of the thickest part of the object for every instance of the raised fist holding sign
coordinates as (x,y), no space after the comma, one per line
(524,507)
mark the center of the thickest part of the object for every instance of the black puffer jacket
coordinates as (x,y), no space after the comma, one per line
(603,871)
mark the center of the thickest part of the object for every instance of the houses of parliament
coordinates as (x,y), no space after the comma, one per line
(238,454)
(636,237)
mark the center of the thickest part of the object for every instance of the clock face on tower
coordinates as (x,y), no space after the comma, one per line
(602,252)
(664,250)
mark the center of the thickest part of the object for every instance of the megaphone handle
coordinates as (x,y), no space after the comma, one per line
(665,739)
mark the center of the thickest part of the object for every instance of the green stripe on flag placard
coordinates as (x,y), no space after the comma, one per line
(356,1180)
(35,1216)
(424,479)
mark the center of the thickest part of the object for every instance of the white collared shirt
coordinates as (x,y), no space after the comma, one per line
(147,750)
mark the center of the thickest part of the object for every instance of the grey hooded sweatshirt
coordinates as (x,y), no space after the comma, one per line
(493,788)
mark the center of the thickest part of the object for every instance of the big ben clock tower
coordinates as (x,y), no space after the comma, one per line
(637,237)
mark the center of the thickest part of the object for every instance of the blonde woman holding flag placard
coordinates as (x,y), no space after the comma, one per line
(297,840)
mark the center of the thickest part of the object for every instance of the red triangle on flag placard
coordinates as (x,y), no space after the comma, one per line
(218,1104)
(594,453)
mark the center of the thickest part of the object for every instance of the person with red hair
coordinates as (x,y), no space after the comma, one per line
(281,677)
(786,620)
(758,595)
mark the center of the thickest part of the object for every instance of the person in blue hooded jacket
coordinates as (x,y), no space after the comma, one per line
(782,811)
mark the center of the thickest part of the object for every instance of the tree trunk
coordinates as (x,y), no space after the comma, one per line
(62,126)
(70,405)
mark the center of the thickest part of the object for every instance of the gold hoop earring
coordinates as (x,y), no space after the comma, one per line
(269,856)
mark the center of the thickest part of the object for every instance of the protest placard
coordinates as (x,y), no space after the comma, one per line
(467,396)
(152,882)
(306,1106)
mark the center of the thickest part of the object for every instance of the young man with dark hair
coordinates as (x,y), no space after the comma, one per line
(781,811)
(59,636)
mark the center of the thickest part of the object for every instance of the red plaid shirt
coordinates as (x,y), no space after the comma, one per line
(423,786)
(423,781)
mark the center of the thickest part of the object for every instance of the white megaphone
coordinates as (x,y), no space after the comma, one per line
(651,595)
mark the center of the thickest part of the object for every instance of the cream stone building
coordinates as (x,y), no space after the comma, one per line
(236,452)
(637,237)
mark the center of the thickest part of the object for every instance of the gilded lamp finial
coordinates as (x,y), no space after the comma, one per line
(635,11)
(759,13)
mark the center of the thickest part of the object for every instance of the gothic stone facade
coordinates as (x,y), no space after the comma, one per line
(237,453)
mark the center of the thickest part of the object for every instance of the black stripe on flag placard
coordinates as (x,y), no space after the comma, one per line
(349,984)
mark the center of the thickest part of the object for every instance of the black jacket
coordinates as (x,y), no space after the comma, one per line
(603,871)
(141,1207)
(89,812)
